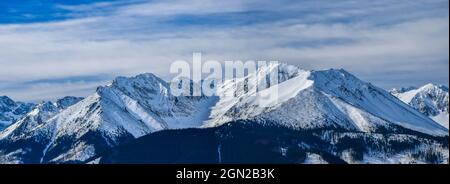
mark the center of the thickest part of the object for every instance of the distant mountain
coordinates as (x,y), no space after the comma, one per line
(37,116)
(119,112)
(11,111)
(67,101)
(130,108)
(430,99)
(23,129)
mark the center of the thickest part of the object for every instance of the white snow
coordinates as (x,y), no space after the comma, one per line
(284,91)
(364,121)
(11,157)
(442,118)
(95,161)
(219,153)
(408,96)
(201,114)
(5,133)
(81,152)
(312,158)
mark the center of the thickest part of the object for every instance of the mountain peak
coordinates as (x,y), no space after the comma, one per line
(402,90)
(4,98)
(431,86)
(431,99)
(145,77)
(46,106)
(37,116)
(6,101)
(339,82)
(146,82)
(67,101)
(337,74)
(11,111)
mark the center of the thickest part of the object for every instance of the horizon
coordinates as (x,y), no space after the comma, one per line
(51,49)
(108,82)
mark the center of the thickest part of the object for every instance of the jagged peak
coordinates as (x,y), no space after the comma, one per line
(339,73)
(432,86)
(144,81)
(67,101)
(145,77)
(5,100)
(332,79)
(427,88)
(128,85)
(402,89)
(45,106)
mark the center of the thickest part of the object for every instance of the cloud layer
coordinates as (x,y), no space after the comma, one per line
(389,43)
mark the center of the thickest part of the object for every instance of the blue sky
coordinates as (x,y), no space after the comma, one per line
(52,48)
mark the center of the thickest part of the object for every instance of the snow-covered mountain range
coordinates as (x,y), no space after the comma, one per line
(430,99)
(11,111)
(130,108)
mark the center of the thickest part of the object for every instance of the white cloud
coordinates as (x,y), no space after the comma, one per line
(132,40)
(180,7)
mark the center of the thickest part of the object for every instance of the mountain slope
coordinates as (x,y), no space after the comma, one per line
(11,111)
(431,100)
(248,142)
